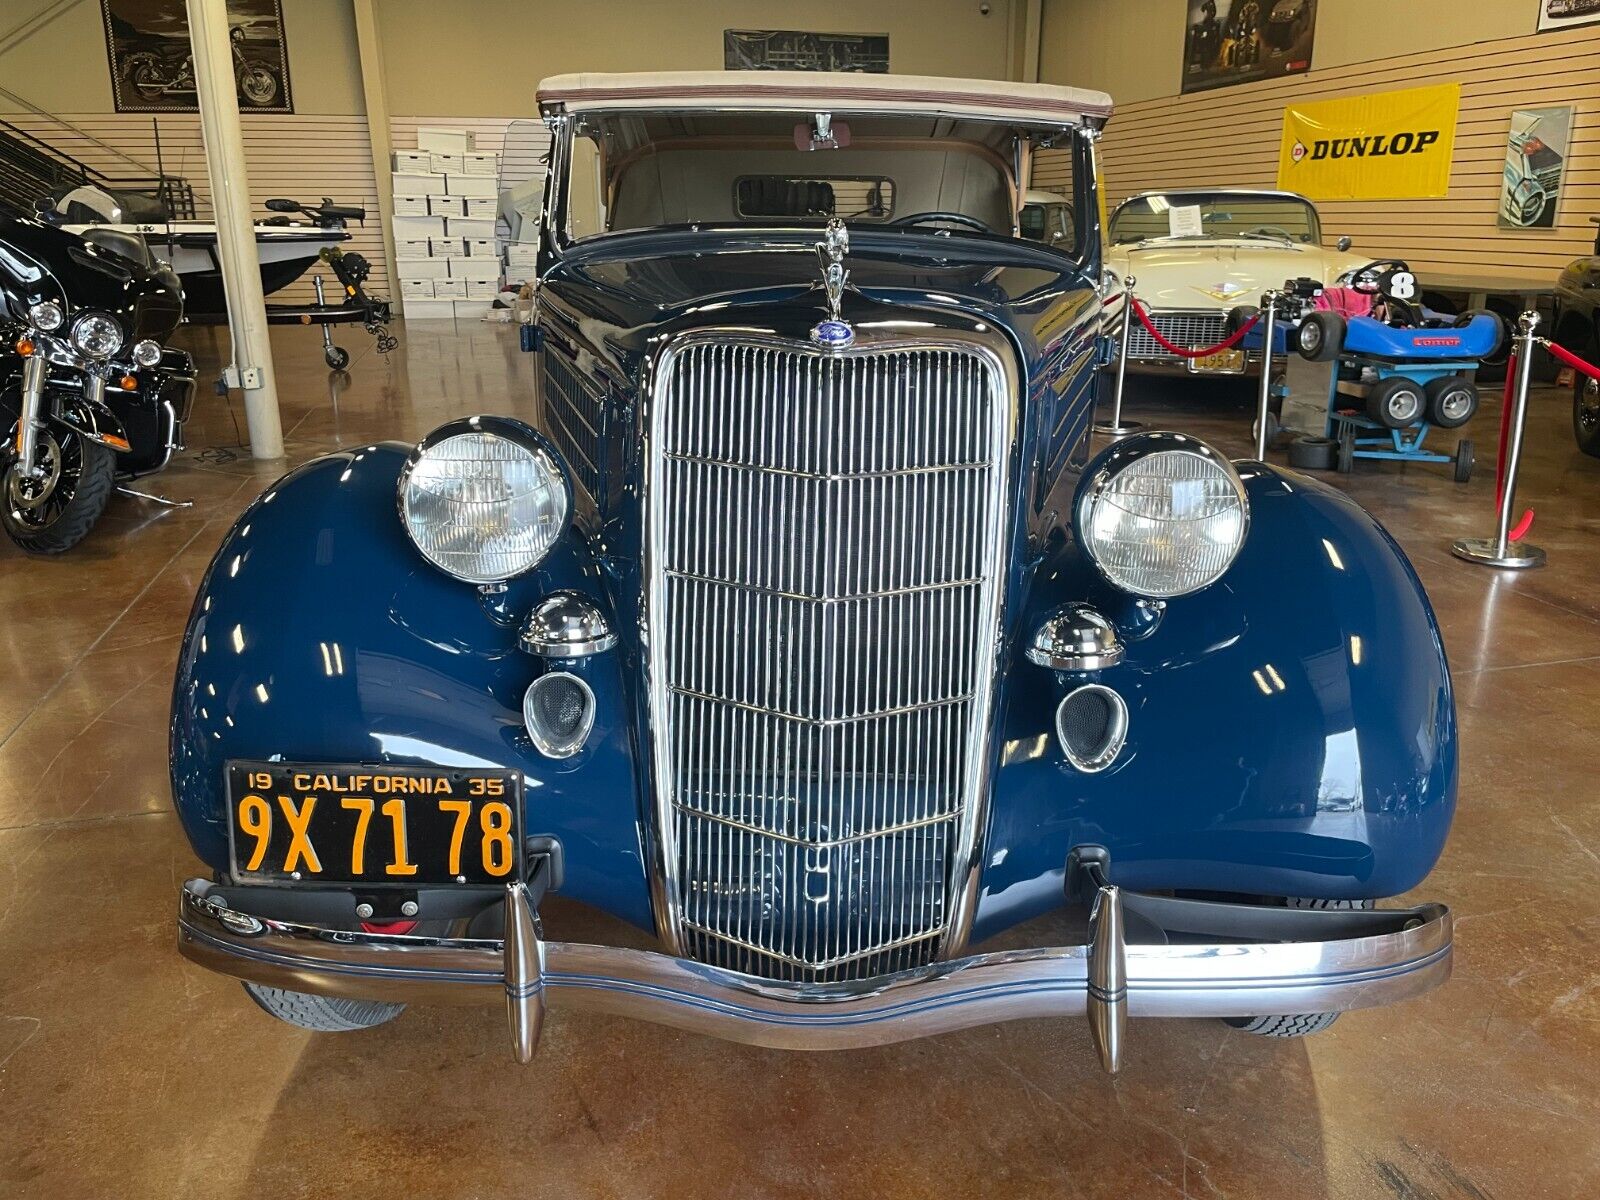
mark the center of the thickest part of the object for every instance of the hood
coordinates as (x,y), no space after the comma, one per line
(1222,272)
(40,262)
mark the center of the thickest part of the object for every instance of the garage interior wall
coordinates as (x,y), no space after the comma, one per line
(1230,136)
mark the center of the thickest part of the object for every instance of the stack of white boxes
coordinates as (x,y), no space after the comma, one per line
(444,212)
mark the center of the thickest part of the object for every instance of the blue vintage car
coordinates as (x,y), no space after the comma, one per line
(806,629)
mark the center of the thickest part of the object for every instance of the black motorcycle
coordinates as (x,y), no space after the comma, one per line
(89,390)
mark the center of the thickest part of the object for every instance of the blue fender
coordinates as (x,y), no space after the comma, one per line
(320,634)
(1474,340)
(1292,728)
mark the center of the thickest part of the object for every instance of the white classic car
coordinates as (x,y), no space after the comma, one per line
(1196,254)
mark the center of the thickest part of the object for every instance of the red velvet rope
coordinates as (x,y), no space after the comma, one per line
(1144,319)
(1520,530)
(1572,360)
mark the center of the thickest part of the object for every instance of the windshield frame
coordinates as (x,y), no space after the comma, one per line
(1203,196)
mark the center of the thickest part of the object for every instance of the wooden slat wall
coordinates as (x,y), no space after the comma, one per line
(1231,136)
(301,157)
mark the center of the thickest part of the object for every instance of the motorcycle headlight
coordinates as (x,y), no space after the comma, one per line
(97,335)
(147,353)
(484,498)
(1162,515)
(46,315)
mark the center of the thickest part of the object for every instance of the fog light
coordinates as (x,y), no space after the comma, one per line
(559,712)
(1092,725)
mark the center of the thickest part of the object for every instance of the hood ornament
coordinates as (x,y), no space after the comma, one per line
(834,333)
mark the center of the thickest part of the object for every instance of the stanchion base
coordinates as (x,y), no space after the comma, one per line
(1482,550)
(1118,431)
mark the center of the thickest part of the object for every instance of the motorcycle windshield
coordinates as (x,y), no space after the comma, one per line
(40,262)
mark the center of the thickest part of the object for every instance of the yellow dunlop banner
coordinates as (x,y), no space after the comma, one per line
(1384,146)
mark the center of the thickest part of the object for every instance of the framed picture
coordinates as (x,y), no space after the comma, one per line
(152,68)
(1558,14)
(793,50)
(1536,167)
(1239,41)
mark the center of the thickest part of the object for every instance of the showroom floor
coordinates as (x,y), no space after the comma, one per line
(125,1072)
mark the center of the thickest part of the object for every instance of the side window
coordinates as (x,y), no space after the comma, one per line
(586,214)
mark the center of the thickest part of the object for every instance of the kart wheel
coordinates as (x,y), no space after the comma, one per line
(1452,401)
(322,1014)
(1312,453)
(52,514)
(1464,461)
(1586,414)
(337,358)
(1320,336)
(1395,402)
(1347,448)
(1239,317)
(1301,1024)
(1274,428)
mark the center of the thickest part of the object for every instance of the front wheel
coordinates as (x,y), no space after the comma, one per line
(1296,1024)
(1586,414)
(322,1014)
(337,358)
(258,85)
(54,511)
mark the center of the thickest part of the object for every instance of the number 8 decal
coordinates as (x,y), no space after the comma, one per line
(1403,285)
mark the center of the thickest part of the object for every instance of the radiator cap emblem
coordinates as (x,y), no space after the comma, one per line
(833,335)
(835,332)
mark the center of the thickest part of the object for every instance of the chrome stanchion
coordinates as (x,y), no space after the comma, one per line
(1117,427)
(1269,319)
(1500,550)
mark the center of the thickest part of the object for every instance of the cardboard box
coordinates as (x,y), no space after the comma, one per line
(481,163)
(458,184)
(417,289)
(411,160)
(479,247)
(445,206)
(414,183)
(416,248)
(447,164)
(444,141)
(411,229)
(422,268)
(410,206)
(486,269)
(448,247)
(481,206)
(428,310)
(481,289)
(449,289)
(471,310)
(470,227)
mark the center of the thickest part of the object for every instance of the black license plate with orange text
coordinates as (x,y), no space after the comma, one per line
(374,825)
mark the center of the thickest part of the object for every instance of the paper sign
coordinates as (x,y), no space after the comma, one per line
(1183,220)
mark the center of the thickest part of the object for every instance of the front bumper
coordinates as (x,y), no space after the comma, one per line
(1384,956)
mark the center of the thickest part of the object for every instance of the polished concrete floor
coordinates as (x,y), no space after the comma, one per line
(125,1072)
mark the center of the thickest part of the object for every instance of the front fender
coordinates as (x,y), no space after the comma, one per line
(1292,728)
(320,634)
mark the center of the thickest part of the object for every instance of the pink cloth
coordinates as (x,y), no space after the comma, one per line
(1346,302)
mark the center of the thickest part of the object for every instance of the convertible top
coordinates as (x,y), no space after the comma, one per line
(1034,104)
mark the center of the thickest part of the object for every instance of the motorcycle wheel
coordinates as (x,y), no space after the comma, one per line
(258,85)
(53,514)
(147,81)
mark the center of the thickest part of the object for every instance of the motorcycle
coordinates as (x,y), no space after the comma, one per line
(153,77)
(89,390)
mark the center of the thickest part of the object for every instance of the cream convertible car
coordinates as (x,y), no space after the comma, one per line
(1197,254)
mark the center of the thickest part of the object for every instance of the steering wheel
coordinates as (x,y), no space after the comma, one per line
(1378,278)
(949,218)
(1273,231)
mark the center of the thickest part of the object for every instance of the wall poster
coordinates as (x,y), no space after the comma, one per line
(1558,14)
(1237,41)
(1536,163)
(1380,146)
(152,69)
(793,50)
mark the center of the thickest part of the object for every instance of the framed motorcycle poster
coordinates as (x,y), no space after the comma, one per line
(1240,41)
(1558,14)
(1536,167)
(152,68)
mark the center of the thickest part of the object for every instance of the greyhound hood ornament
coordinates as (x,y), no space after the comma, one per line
(835,332)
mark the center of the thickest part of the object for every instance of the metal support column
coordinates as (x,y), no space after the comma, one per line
(251,370)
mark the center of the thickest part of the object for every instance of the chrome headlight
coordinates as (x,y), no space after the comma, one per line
(97,335)
(484,498)
(46,316)
(1162,515)
(147,353)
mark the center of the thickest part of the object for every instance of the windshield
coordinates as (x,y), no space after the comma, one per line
(1217,214)
(640,170)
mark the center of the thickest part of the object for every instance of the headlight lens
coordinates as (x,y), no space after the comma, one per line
(484,499)
(97,334)
(147,353)
(1163,515)
(46,315)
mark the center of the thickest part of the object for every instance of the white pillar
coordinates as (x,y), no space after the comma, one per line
(236,237)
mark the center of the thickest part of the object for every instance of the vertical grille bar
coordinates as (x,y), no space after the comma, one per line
(824,570)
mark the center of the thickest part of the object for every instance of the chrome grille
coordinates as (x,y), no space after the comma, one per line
(1191,330)
(825,557)
(573,416)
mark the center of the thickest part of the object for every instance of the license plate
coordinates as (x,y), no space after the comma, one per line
(1230,361)
(372,825)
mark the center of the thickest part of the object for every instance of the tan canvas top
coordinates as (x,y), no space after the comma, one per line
(810,91)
